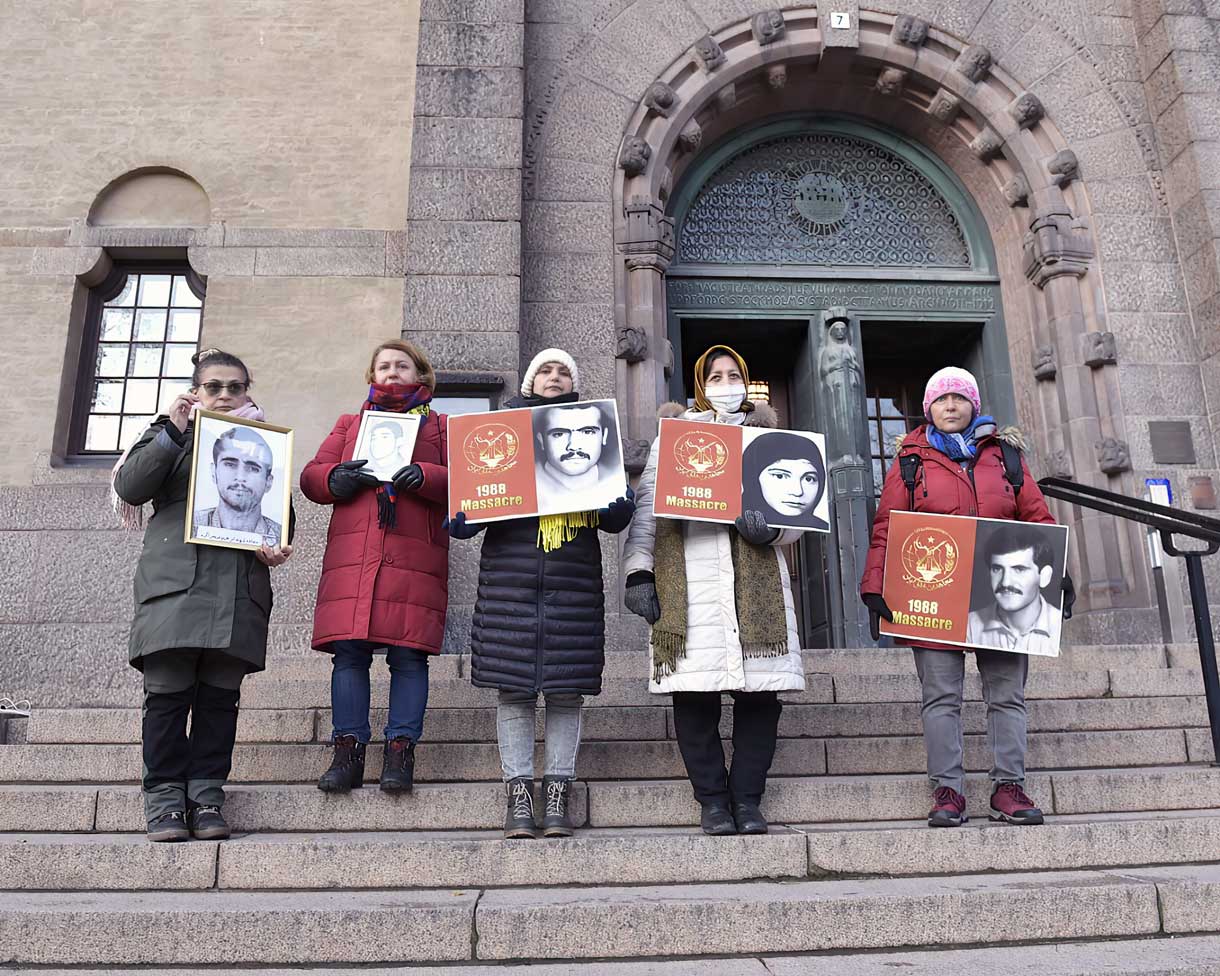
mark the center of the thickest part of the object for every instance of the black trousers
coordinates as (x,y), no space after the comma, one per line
(755,725)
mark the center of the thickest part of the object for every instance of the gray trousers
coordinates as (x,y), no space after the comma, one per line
(941,674)
(515,717)
(181,770)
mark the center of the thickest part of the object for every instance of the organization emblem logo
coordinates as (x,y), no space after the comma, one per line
(491,448)
(929,558)
(701,455)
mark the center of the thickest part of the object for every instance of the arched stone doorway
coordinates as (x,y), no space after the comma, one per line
(808,224)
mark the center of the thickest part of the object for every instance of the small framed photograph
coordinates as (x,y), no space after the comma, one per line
(241,483)
(386,441)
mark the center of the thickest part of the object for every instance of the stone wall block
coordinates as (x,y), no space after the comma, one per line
(473,11)
(568,226)
(568,278)
(303,237)
(464,194)
(476,143)
(454,247)
(222,261)
(330,262)
(443,44)
(468,350)
(457,302)
(575,327)
(469,92)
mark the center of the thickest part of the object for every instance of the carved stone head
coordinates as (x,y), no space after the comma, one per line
(1059,464)
(909,30)
(632,344)
(691,136)
(1026,110)
(987,143)
(661,99)
(1063,167)
(669,359)
(1016,190)
(777,76)
(1100,349)
(635,455)
(709,53)
(1045,367)
(974,62)
(890,81)
(1113,456)
(768,26)
(635,155)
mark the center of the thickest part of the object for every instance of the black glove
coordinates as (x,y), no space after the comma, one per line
(347,478)
(410,478)
(617,515)
(1069,596)
(753,527)
(640,596)
(459,528)
(877,608)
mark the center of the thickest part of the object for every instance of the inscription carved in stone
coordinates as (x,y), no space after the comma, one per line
(1099,348)
(1016,190)
(632,344)
(974,62)
(1045,366)
(661,99)
(890,81)
(1026,110)
(633,160)
(710,293)
(909,30)
(1113,456)
(945,106)
(768,27)
(1063,167)
(987,143)
(709,53)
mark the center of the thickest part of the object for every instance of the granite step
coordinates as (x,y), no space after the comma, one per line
(112,726)
(447,859)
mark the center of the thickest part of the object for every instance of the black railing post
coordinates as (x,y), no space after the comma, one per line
(1207,646)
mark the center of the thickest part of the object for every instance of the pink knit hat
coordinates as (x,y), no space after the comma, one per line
(951,379)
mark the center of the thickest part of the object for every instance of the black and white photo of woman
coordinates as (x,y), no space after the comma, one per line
(784,477)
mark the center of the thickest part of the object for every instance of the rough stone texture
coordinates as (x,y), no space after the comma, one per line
(61,808)
(228,927)
(41,862)
(809,916)
(1129,790)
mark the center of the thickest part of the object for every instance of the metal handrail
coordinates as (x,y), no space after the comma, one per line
(1168,522)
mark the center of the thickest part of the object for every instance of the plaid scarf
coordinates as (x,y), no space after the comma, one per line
(395,398)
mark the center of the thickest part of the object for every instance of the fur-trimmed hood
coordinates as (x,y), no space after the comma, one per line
(763,414)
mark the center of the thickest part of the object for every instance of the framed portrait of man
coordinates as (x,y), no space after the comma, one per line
(241,482)
(386,441)
(578,463)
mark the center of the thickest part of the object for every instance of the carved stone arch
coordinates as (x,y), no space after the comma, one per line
(973,113)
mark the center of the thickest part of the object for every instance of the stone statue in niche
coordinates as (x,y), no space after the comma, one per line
(632,344)
(1059,464)
(635,455)
(1045,367)
(634,158)
(1026,110)
(1016,190)
(974,62)
(1063,167)
(890,81)
(709,53)
(661,99)
(945,106)
(1100,349)
(843,379)
(777,76)
(768,27)
(909,30)
(1113,456)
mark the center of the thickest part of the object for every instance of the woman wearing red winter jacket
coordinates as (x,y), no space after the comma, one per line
(385,571)
(959,470)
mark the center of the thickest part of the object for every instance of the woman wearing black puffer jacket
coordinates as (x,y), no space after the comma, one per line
(539,625)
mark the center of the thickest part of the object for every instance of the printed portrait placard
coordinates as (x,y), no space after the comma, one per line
(386,441)
(714,472)
(548,460)
(992,584)
(241,482)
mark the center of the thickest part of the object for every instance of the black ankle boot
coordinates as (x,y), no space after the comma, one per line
(556,794)
(717,819)
(398,768)
(346,768)
(519,818)
(749,818)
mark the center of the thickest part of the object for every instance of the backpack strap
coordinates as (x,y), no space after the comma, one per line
(908,467)
(1012,466)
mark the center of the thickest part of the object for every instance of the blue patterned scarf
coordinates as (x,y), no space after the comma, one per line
(963,446)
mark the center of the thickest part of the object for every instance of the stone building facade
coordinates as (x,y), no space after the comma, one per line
(1029,189)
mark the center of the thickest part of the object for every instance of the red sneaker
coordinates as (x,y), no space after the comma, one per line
(1010,805)
(950,808)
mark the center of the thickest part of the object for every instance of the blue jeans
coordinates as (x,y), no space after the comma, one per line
(349,690)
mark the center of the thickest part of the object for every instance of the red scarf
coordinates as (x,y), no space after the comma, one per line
(395,398)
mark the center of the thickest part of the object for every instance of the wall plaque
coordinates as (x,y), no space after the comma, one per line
(1171,442)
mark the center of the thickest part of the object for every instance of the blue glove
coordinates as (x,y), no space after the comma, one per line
(617,515)
(459,528)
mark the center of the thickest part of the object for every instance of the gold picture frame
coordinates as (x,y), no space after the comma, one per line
(208,503)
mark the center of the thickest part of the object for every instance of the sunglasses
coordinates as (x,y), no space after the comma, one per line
(214,388)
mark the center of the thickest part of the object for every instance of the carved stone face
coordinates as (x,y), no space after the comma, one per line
(1064,166)
(1112,455)
(709,52)
(838,331)
(661,96)
(910,30)
(635,156)
(890,81)
(1026,110)
(974,62)
(768,26)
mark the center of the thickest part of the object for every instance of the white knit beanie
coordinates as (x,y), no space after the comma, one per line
(544,357)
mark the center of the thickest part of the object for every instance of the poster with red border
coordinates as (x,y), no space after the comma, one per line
(547,460)
(712,472)
(991,584)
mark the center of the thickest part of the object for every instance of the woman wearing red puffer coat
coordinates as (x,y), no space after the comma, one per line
(385,571)
(958,461)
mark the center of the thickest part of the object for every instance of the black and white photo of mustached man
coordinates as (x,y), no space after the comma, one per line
(577,457)
(1018,574)
(242,472)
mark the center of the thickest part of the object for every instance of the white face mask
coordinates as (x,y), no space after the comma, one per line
(727,399)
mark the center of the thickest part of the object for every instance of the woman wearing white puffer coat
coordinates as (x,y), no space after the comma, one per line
(723,620)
